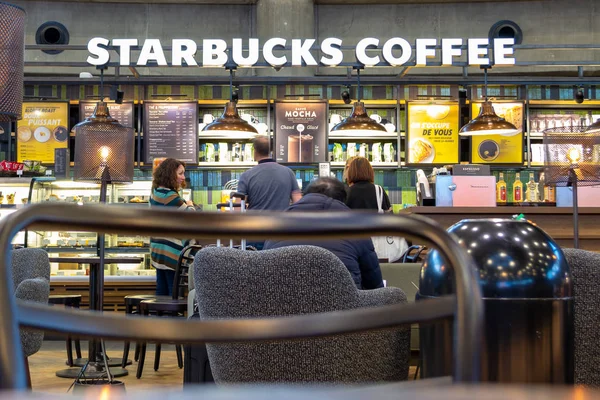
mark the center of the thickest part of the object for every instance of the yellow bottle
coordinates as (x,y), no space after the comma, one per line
(532,190)
(517,189)
(501,189)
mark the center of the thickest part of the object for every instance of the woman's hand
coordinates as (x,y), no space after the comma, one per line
(190,203)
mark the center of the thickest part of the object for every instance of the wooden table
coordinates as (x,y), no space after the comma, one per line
(556,221)
(95,367)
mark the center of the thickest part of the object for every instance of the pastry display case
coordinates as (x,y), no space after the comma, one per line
(81,244)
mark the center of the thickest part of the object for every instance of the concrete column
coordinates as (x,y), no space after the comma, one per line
(288,19)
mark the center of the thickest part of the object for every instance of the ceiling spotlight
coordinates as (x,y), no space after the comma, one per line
(346,97)
(579,95)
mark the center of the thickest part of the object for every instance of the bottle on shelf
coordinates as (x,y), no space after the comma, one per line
(517,189)
(532,190)
(501,189)
(542,188)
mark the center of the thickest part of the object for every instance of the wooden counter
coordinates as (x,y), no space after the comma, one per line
(556,221)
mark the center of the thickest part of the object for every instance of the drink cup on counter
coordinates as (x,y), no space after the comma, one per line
(376,153)
(210,152)
(207,119)
(351,150)
(224,155)
(388,152)
(363,151)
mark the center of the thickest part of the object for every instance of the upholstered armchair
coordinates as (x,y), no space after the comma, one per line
(294,280)
(585,268)
(31,278)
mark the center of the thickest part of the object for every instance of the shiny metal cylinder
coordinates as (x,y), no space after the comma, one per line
(528,302)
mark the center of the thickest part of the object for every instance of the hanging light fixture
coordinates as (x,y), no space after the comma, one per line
(12,49)
(359,122)
(230,122)
(488,122)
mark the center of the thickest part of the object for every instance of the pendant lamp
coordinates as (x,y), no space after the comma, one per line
(230,122)
(12,50)
(488,122)
(359,122)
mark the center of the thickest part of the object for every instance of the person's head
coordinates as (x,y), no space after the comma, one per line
(261,147)
(169,174)
(345,173)
(330,187)
(360,170)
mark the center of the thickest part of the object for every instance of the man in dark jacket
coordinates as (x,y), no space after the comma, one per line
(329,194)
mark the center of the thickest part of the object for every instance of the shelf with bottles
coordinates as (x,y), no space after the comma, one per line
(524,189)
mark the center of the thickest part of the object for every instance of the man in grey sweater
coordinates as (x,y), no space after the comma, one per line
(268,185)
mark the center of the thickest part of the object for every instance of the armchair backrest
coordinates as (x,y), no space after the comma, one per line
(295,280)
(29,264)
(585,269)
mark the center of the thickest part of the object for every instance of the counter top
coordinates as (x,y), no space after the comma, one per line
(107,278)
(500,210)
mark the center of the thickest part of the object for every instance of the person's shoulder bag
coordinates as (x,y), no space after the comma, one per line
(390,247)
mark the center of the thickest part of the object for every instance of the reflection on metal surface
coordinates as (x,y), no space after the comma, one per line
(515,260)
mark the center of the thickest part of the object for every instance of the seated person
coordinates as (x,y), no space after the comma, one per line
(358,255)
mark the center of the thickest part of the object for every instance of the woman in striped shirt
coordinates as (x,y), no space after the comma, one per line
(168,180)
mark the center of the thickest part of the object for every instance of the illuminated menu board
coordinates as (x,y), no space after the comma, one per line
(171,130)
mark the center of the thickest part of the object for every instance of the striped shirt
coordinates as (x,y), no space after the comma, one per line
(164,252)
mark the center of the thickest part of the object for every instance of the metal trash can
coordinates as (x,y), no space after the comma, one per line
(527,289)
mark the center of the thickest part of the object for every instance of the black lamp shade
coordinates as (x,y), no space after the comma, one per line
(572,148)
(103,147)
(12,50)
(230,122)
(359,122)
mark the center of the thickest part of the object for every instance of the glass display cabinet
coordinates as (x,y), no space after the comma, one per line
(81,244)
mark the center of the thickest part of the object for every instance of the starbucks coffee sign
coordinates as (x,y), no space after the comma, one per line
(369,52)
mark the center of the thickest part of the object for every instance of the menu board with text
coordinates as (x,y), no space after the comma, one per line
(433,133)
(498,149)
(42,129)
(121,112)
(301,131)
(171,130)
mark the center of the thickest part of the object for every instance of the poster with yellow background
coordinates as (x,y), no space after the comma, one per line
(42,129)
(433,133)
(498,149)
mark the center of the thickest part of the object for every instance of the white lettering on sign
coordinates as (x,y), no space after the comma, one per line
(395,52)
(300,113)
(331,47)
(361,52)
(388,47)
(238,56)
(476,50)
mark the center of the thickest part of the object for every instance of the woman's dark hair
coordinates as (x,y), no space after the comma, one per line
(165,175)
(330,187)
(360,170)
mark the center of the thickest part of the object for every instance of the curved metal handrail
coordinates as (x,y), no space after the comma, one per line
(151,222)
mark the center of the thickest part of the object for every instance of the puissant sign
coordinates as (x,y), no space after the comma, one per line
(395,51)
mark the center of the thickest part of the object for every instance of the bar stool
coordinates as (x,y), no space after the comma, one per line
(132,306)
(175,306)
(68,300)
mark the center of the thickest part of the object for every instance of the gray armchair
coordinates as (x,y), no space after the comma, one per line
(31,278)
(295,280)
(585,267)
